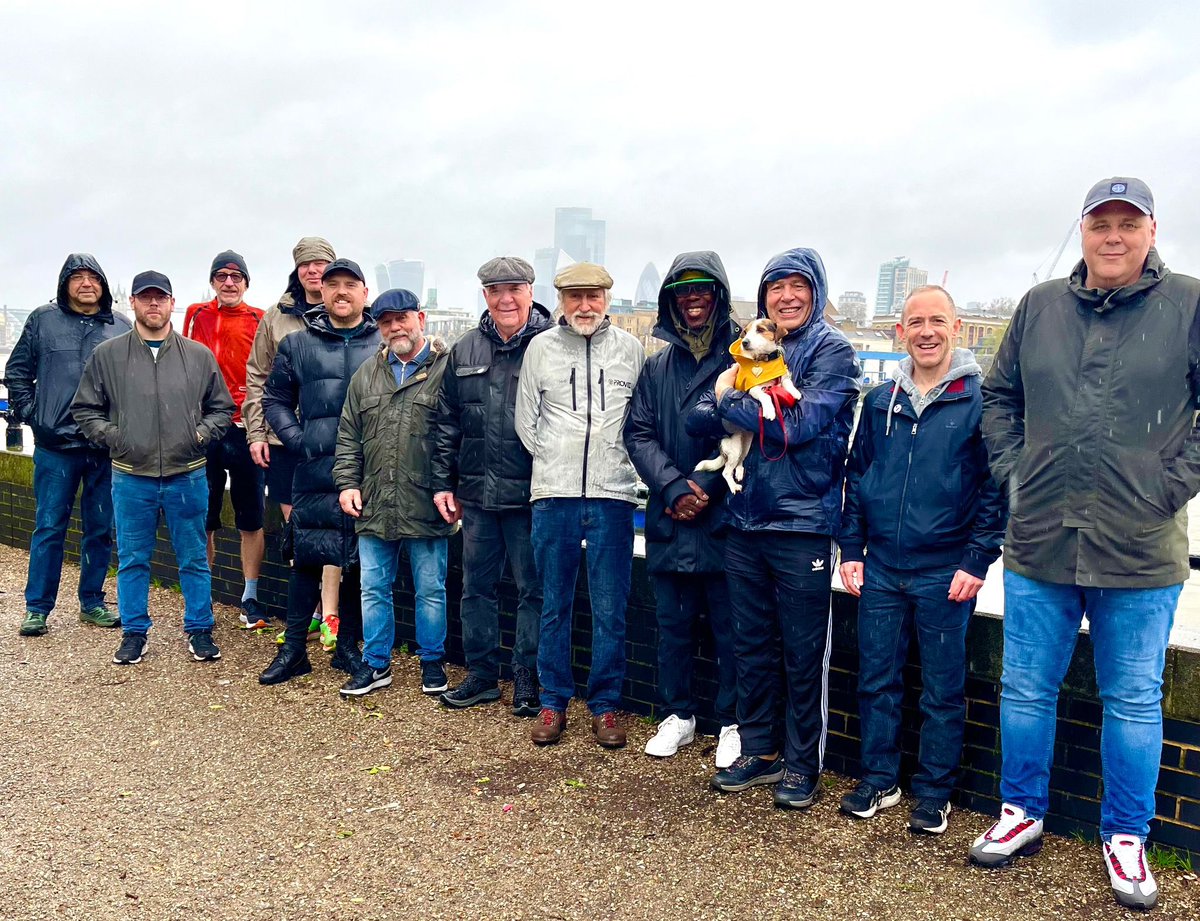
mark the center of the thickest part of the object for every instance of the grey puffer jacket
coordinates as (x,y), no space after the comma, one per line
(572,401)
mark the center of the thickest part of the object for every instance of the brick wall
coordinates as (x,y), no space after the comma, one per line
(1075,780)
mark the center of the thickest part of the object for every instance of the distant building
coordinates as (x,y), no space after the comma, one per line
(896,279)
(402,273)
(638,322)
(579,235)
(548,262)
(647,287)
(853,306)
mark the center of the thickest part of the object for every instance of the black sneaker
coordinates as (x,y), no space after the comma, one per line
(366,680)
(202,646)
(254,615)
(795,791)
(346,657)
(525,692)
(289,662)
(867,799)
(929,817)
(472,691)
(433,677)
(746,772)
(131,649)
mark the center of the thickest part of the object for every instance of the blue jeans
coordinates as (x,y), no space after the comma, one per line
(895,605)
(489,537)
(378,559)
(56,479)
(183,501)
(1130,628)
(559,525)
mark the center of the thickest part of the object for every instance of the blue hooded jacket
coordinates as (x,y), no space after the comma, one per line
(802,491)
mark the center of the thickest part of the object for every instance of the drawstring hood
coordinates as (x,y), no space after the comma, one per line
(962,364)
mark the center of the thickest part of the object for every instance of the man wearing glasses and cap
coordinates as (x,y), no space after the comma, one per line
(1089,415)
(157,401)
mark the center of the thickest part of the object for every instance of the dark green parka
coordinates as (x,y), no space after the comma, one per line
(384,444)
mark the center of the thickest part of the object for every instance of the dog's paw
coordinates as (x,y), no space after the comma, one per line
(769,413)
(734,487)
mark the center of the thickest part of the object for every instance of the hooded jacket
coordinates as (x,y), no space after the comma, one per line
(47,362)
(802,490)
(229,333)
(280,321)
(384,444)
(302,402)
(918,490)
(156,416)
(1089,415)
(477,454)
(572,400)
(663,453)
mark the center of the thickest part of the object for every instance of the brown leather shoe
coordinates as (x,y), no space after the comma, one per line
(548,727)
(608,731)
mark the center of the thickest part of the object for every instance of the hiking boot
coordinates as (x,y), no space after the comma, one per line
(607,731)
(131,649)
(795,791)
(346,656)
(1013,835)
(867,799)
(100,616)
(34,624)
(525,692)
(290,662)
(930,816)
(550,726)
(471,691)
(673,733)
(202,647)
(729,747)
(746,772)
(433,678)
(1129,873)
(254,615)
(366,680)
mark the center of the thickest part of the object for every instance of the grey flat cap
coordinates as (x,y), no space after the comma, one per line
(506,270)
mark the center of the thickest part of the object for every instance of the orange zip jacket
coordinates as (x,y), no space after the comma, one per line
(229,334)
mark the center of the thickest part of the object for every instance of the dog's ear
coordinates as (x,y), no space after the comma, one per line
(769,327)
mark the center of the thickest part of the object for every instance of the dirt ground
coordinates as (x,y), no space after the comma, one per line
(177,789)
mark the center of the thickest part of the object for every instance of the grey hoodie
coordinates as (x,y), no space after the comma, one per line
(962,364)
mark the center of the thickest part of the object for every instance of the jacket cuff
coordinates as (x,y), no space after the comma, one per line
(676,488)
(853,551)
(975,564)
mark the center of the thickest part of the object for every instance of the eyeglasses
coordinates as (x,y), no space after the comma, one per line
(150,297)
(85,275)
(695,290)
(236,277)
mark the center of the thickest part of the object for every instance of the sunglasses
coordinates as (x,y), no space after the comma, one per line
(699,289)
(224,277)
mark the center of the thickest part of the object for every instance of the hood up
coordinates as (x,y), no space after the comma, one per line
(710,264)
(74,263)
(798,261)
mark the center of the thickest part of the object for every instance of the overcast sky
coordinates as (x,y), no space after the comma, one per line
(963,135)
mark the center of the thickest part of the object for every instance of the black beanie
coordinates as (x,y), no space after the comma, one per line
(227,258)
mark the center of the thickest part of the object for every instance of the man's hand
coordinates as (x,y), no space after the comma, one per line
(964,586)
(725,381)
(688,506)
(852,578)
(260,453)
(351,502)
(446,505)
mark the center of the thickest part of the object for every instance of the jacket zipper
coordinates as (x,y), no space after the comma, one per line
(907,473)
(587,432)
(574,404)
(601,390)
(217,347)
(157,406)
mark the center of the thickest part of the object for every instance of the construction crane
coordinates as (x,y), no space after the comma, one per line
(1049,273)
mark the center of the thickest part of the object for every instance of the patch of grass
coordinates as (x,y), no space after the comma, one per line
(403,649)
(647,721)
(1082,837)
(176,588)
(156,582)
(1165,858)
(112,572)
(828,782)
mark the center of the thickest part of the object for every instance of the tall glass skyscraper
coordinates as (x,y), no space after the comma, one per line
(578,235)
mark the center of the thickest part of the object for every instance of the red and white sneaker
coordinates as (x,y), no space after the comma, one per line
(1013,835)
(1129,873)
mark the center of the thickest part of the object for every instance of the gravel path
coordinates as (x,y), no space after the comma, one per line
(177,789)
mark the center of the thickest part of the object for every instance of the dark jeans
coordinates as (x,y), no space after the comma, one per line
(232,454)
(779,588)
(559,525)
(56,479)
(488,538)
(681,600)
(896,604)
(304,591)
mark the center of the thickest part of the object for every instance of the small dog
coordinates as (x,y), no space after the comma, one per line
(761,369)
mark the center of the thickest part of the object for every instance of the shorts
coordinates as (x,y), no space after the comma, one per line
(231,454)
(280,474)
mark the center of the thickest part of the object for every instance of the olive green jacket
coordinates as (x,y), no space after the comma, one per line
(384,444)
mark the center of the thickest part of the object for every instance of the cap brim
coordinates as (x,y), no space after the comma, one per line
(690,281)
(507,281)
(1104,201)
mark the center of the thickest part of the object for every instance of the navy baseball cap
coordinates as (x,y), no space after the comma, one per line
(1119,188)
(349,266)
(144,281)
(394,300)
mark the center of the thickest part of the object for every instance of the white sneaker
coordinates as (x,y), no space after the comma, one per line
(729,747)
(673,733)
(1013,835)
(1132,882)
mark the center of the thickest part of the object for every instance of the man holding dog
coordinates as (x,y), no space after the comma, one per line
(922,511)
(1089,415)
(778,553)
